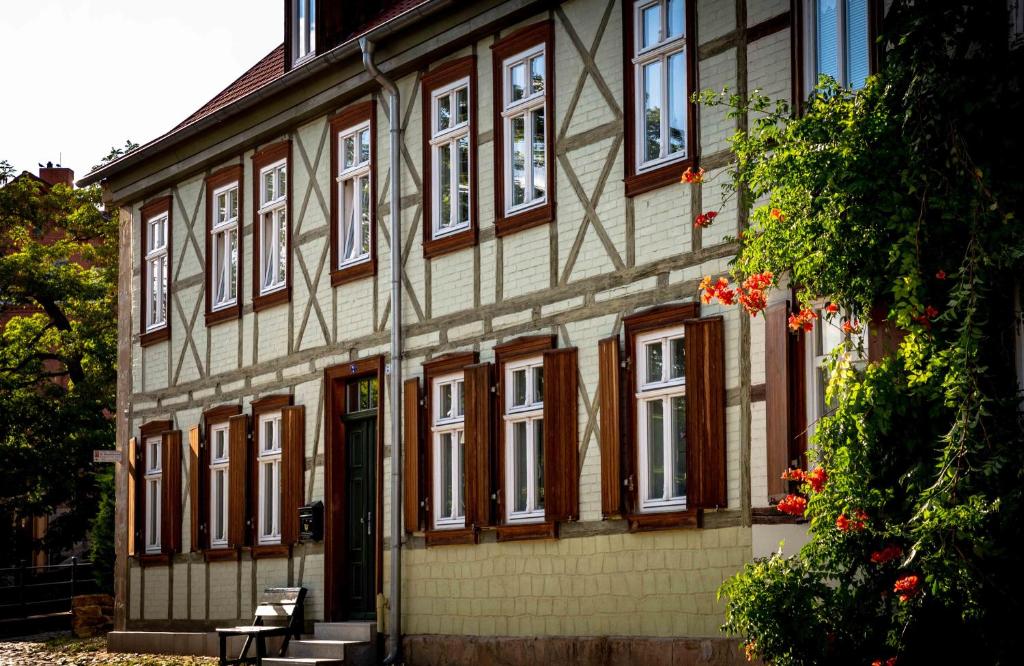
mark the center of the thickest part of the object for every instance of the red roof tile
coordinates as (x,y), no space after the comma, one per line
(268,69)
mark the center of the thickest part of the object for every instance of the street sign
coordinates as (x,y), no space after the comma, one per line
(107,456)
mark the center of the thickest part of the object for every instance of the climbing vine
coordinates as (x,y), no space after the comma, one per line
(894,206)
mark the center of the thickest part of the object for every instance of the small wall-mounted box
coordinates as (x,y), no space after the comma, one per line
(311,522)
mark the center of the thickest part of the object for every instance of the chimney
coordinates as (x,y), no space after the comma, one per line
(53,175)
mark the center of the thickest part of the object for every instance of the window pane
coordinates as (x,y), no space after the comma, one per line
(463,175)
(678,368)
(268,249)
(282,181)
(676,22)
(677,103)
(651,21)
(218,511)
(364,145)
(282,245)
(462,474)
(652,110)
(444,174)
(348,213)
(678,446)
(538,384)
(518,160)
(827,39)
(163,288)
(444,112)
(222,207)
(461,389)
(268,186)
(517,81)
(518,387)
(519,446)
(537,74)
(349,151)
(539,170)
(446,475)
(233,264)
(654,352)
(364,215)
(857,44)
(655,449)
(373,393)
(445,402)
(462,106)
(268,499)
(538,461)
(233,203)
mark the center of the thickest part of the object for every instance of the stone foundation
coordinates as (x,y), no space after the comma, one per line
(92,615)
(442,650)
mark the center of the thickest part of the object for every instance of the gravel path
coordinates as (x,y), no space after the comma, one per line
(60,649)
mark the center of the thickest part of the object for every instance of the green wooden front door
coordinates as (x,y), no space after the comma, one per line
(360,516)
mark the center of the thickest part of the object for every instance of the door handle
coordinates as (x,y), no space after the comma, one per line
(369,522)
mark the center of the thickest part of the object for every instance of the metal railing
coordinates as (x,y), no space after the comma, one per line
(26,591)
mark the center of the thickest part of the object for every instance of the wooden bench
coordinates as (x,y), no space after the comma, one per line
(279,613)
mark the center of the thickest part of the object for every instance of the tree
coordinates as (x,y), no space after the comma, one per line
(58,347)
(902,199)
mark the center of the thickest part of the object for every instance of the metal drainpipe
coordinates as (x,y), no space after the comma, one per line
(395,606)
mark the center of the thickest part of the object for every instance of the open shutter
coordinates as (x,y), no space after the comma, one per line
(705,413)
(561,474)
(196,495)
(479,438)
(170,530)
(293,459)
(778,378)
(134,506)
(610,394)
(412,451)
(238,477)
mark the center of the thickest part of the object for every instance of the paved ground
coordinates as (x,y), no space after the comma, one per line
(60,649)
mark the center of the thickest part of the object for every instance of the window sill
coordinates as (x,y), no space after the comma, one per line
(155,336)
(229,554)
(224,314)
(464,536)
(646,181)
(264,301)
(772,516)
(354,272)
(528,531)
(665,520)
(435,247)
(268,551)
(155,559)
(525,219)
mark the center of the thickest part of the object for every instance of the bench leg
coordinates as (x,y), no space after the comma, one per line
(243,657)
(223,649)
(261,648)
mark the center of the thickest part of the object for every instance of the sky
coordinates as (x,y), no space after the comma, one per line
(82,76)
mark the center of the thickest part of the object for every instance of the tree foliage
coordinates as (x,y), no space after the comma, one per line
(58,294)
(902,199)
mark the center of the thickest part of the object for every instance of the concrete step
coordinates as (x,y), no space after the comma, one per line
(301,661)
(319,648)
(346,631)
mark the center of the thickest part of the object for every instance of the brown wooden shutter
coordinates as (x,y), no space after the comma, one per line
(293,460)
(610,398)
(479,443)
(170,530)
(561,474)
(883,336)
(134,506)
(238,479)
(196,495)
(778,395)
(705,413)
(412,491)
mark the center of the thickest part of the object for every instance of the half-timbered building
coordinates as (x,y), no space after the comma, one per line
(564,450)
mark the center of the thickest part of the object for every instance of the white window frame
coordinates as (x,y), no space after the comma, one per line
(450,137)
(304,30)
(276,209)
(660,51)
(524,107)
(663,391)
(269,462)
(810,36)
(816,356)
(153,479)
(354,174)
(221,233)
(453,423)
(156,262)
(219,465)
(531,412)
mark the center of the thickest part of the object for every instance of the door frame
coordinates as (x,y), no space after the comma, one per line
(336,381)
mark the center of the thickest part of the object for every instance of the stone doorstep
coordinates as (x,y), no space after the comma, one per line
(200,644)
(301,661)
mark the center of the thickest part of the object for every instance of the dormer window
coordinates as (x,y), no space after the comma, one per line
(303,29)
